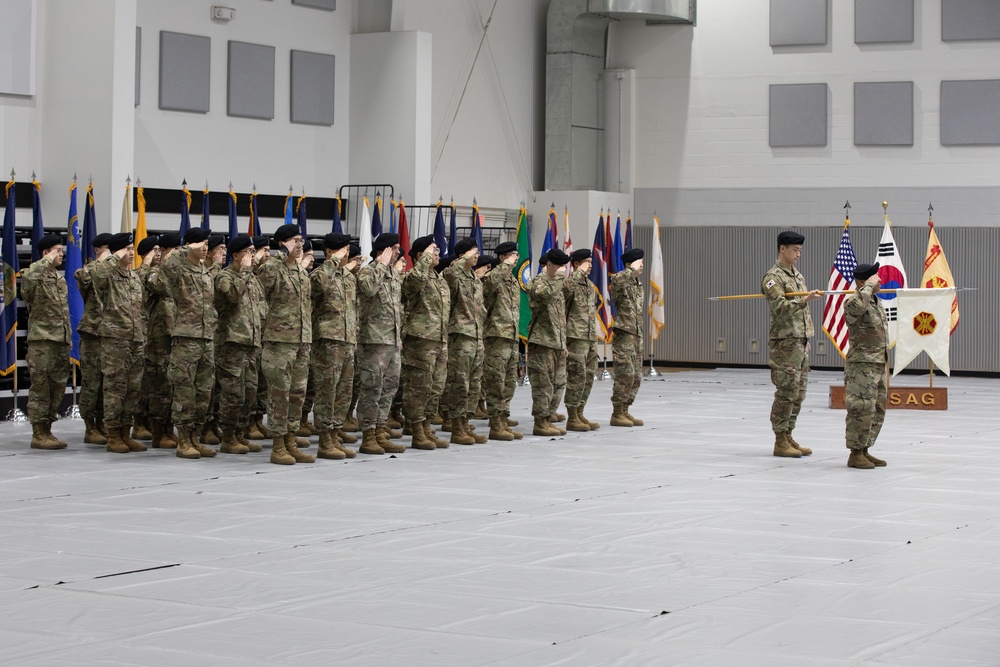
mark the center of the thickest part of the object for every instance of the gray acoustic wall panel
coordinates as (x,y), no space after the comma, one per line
(313,77)
(798,114)
(798,22)
(328,5)
(883,114)
(881,21)
(138,62)
(185,72)
(969,113)
(250,85)
(970,19)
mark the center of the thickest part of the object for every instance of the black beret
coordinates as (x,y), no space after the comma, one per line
(196,235)
(102,240)
(239,242)
(119,241)
(543,259)
(48,241)
(443,264)
(307,245)
(286,232)
(170,240)
(146,245)
(215,240)
(420,245)
(487,260)
(632,255)
(558,257)
(464,246)
(336,241)
(384,241)
(261,242)
(355,251)
(865,271)
(580,255)
(505,247)
(790,238)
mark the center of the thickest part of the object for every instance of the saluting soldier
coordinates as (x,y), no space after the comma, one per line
(379,343)
(257,430)
(427,304)
(287,342)
(788,341)
(335,330)
(148,250)
(581,340)
(43,288)
(91,396)
(502,298)
(547,350)
(159,308)
(122,331)
(350,399)
(626,345)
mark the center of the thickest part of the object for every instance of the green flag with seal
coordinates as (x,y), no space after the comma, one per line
(522,270)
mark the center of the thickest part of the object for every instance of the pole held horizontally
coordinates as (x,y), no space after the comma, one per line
(826,292)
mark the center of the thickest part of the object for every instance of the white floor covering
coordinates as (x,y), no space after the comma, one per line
(680,543)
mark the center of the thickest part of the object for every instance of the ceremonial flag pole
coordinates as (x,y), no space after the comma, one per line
(74,261)
(300,212)
(522,271)
(37,224)
(140,222)
(126,226)
(657,283)
(8,300)
(206,214)
(185,225)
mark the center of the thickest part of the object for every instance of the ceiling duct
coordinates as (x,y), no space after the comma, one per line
(651,11)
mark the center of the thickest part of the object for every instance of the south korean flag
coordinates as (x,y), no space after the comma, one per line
(892,276)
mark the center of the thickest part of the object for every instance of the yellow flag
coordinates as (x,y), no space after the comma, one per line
(127,209)
(140,224)
(937,273)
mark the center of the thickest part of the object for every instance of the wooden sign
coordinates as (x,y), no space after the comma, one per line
(901,398)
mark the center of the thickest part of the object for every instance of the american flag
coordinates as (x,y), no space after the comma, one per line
(841,278)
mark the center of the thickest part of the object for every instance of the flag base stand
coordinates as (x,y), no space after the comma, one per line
(901,398)
(72,412)
(17,415)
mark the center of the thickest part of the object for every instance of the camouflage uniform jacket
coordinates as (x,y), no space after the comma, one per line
(334,303)
(287,291)
(192,290)
(867,326)
(120,294)
(548,312)
(158,304)
(92,306)
(379,305)
(626,293)
(427,301)
(502,295)
(790,317)
(43,288)
(468,312)
(581,307)
(238,300)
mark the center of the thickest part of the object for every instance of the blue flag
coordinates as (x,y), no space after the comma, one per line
(616,249)
(288,207)
(74,261)
(253,228)
(599,277)
(628,233)
(453,237)
(392,217)
(206,218)
(377,218)
(439,239)
(37,226)
(185,210)
(89,226)
(300,210)
(549,240)
(234,229)
(8,300)
(337,227)
(477,227)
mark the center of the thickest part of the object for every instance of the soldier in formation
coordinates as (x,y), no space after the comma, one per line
(626,346)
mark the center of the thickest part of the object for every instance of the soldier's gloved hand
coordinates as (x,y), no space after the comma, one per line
(813,295)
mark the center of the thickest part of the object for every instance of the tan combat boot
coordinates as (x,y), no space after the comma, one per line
(419,439)
(170,437)
(459,436)
(265,431)
(508,422)
(635,420)
(48,434)
(185,446)
(339,444)
(206,452)
(140,429)
(115,443)
(791,441)
(351,425)
(241,437)
(481,410)
(857,459)
(278,454)
(446,425)
(132,445)
(346,437)
(382,437)
(304,430)
(783,448)
(327,448)
(396,420)
(618,417)
(39,440)
(544,428)
(497,430)
(470,430)
(291,446)
(92,435)
(575,423)
(437,420)
(432,436)
(253,431)
(156,430)
(878,463)
(592,424)
(208,436)
(369,443)
(230,445)
(557,417)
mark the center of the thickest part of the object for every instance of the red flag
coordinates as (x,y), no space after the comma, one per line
(404,236)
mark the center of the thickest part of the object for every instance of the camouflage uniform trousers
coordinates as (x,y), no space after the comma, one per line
(286,367)
(122,369)
(425,371)
(789,375)
(237,384)
(499,374)
(865,393)
(156,393)
(378,368)
(192,378)
(333,365)
(91,386)
(465,377)
(48,366)
(261,407)
(581,365)
(547,374)
(627,351)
